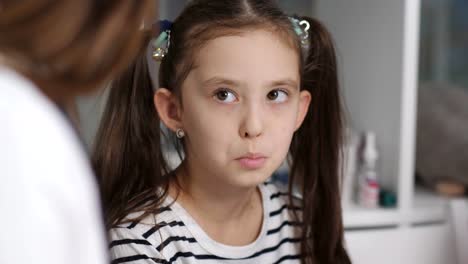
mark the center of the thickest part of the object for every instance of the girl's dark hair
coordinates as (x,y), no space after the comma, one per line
(128,157)
(70,47)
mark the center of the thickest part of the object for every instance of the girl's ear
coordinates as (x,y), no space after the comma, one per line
(304,101)
(168,107)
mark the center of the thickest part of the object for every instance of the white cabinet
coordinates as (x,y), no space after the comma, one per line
(431,244)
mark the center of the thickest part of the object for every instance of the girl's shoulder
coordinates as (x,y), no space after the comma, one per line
(129,243)
(280,204)
(277,191)
(143,239)
(134,225)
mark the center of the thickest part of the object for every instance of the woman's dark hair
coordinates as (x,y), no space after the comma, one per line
(70,47)
(128,157)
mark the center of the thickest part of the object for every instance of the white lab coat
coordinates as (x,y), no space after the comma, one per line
(49,209)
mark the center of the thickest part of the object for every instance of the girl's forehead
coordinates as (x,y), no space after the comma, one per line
(255,52)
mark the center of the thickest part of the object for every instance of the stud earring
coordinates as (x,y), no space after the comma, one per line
(180,133)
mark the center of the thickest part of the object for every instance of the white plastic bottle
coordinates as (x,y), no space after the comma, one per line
(368,186)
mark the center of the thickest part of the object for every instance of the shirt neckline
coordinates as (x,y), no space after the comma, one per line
(215,247)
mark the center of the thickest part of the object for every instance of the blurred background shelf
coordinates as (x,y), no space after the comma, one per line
(428,208)
(357,217)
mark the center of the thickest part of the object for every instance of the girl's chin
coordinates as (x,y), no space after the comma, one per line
(250,178)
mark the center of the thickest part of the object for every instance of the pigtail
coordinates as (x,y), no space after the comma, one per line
(127,156)
(316,150)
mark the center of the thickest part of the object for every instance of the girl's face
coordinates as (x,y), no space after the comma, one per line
(240,107)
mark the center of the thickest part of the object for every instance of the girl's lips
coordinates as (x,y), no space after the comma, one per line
(252,162)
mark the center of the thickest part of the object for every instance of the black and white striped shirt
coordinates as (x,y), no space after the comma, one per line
(177,238)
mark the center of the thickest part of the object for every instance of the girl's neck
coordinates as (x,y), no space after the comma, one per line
(222,211)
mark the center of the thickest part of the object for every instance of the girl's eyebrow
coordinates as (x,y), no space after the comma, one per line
(285,82)
(220,80)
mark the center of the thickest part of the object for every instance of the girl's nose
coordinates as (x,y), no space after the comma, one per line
(252,122)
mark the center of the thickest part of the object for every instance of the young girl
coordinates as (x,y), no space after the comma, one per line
(242,86)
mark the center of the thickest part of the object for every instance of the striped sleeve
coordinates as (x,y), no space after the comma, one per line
(127,247)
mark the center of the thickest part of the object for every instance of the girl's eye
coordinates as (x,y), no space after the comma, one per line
(277,96)
(225,96)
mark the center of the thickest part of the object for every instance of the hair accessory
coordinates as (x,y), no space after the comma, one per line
(161,44)
(301,27)
(180,133)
